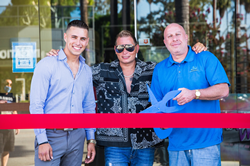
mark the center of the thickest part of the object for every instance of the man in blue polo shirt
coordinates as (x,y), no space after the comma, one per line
(203,81)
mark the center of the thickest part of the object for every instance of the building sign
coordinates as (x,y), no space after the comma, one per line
(23,57)
(145,41)
(7,97)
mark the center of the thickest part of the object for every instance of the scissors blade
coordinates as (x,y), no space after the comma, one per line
(152,109)
(151,96)
(161,107)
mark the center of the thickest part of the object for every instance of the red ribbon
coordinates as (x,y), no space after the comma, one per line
(154,120)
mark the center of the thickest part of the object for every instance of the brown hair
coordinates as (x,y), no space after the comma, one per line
(125,33)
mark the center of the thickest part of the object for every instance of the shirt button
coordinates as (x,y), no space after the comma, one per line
(72,105)
(179,71)
(73,92)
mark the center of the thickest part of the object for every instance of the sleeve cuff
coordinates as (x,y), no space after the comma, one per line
(90,133)
(41,138)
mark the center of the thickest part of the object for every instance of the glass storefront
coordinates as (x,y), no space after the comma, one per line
(34,27)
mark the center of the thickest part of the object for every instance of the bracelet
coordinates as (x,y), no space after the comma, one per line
(91,141)
(44,143)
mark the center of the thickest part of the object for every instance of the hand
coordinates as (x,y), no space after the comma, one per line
(199,47)
(91,153)
(185,96)
(45,152)
(17,131)
(52,52)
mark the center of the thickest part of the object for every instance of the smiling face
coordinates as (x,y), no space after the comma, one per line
(126,57)
(76,41)
(176,40)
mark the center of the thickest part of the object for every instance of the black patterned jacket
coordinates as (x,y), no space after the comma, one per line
(113,97)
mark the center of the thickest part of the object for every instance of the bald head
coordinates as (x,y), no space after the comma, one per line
(175,39)
(174,25)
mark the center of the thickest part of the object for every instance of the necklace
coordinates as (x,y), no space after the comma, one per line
(129,76)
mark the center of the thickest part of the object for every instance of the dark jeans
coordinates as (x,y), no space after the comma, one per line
(125,156)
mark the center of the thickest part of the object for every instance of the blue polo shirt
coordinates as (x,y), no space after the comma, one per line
(196,71)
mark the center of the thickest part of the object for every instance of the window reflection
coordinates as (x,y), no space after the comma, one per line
(223,26)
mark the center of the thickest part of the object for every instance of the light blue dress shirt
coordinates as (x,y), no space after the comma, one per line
(54,90)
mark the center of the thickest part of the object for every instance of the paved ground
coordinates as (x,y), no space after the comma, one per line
(24,149)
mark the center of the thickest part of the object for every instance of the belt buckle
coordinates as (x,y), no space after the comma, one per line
(68,129)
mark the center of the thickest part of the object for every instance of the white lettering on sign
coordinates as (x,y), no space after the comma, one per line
(6,98)
(7,54)
(3,54)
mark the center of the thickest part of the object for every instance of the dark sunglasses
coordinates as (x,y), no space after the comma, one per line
(128,47)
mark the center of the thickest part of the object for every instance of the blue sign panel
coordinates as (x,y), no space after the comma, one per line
(23,57)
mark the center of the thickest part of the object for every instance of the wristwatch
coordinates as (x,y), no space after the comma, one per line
(91,141)
(197,94)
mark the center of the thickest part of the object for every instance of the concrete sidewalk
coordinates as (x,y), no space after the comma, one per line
(24,149)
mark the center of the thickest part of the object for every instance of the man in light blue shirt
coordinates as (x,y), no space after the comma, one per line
(63,84)
(202,81)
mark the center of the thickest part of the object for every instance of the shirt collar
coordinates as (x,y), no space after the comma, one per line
(188,58)
(62,56)
(139,68)
(115,63)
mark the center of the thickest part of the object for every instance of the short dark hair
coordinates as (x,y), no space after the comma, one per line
(125,33)
(77,23)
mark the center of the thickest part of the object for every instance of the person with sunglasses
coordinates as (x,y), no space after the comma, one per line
(121,88)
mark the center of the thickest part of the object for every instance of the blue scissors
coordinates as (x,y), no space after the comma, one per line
(161,107)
